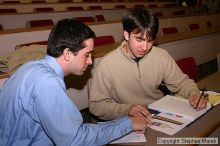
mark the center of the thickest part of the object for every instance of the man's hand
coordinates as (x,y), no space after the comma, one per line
(193,100)
(138,111)
(139,124)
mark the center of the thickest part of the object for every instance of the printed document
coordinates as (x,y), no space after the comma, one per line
(131,137)
(175,114)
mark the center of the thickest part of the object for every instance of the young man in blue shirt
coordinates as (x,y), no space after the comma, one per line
(35,108)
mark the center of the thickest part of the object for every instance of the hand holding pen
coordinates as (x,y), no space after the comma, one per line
(199,101)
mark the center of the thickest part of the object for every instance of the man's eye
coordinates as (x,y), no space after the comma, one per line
(87,55)
(138,40)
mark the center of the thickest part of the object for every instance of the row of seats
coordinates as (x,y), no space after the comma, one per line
(98,41)
(49,22)
(75,8)
(173,30)
(72,1)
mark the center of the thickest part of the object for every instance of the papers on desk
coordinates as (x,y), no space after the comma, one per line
(131,137)
(175,114)
(214,97)
(167,127)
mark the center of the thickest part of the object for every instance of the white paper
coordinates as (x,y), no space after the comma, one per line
(131,137)
(177,106)
(167,127)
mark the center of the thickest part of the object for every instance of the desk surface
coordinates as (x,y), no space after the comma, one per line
(202,127)
(212,82)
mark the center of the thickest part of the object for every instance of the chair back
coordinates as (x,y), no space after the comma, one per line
(102,40)
(169,30)
(188,66)
(38,23)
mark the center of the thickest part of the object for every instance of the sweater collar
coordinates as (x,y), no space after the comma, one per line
(127,54)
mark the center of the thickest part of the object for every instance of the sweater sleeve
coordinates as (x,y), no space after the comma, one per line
(177,81)
(101,102)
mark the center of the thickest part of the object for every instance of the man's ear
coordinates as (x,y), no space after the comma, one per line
(126,35)
(66,54)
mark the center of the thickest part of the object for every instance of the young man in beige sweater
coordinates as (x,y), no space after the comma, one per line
(127,79)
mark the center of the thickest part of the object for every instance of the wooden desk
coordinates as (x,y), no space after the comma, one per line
(202,127)
(212,82)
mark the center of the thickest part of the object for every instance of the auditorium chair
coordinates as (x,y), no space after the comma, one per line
(209,24)
(95,7)
(103,40)
(179,13)
(64,1)
(9,10)
(120,6)
(100,18)
(74,8)
(39,23)
(1,27)
(85,19)
(38,1)
(159,14)
(44,9)
(188,66)
(169,30)
(90,1)
(139,5)
(152,6)
(11,2)
(194,26)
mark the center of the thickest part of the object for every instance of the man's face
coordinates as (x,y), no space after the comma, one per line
(137,44)
(82,58)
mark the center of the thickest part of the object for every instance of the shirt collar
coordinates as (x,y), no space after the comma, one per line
(54,64)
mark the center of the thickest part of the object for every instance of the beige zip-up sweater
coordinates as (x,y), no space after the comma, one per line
(120,82)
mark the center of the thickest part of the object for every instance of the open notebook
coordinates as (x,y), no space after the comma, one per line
(178,106)
(175,114)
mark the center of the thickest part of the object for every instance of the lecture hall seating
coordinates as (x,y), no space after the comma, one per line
(159,14)
(100,18)
(188,66)
(103,40)
(179,13)
(209,24)
(9,10)
(44,9)
(64,1)
(169,30)
(85,19)
(194,26)
(11,2)
(38,1)
(39,23)
(1,27)
(120,6)
(95,7)
(76,8)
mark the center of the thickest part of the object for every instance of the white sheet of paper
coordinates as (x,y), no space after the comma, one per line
(167,127)
(131,137)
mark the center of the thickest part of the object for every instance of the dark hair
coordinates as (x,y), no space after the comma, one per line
(68,33)
(140,20)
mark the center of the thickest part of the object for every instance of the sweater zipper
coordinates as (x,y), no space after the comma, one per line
(138,70)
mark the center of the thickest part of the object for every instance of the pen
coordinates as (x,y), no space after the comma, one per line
(149,121)
(201,95)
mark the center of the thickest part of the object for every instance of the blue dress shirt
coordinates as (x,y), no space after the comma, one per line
(35,110)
